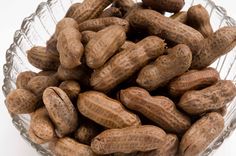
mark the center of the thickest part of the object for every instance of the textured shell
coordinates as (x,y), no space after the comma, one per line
(111,12)
(51,46)
(104,45)
(193,80)
(101,23)
(23,78)
(124,5)
(90,9)
(61,110)
(124,64)
(127,140)
(87,36)
(105,111)
(198,18)
(180,17)
(47,73)
(65,23)
(72,9)
(208,99)
(69,147)
(165,5)
(201,134)
(21,101)
(71,88)
(211,48)
(41,125)
(159,109)
(70,47)
(38,84)
(165,27)
(34,138)
(127,45)
(165,68)
(38,57)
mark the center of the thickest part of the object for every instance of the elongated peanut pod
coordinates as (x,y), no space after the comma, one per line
(211,48)
(193,80)
(159,109)
(165,27)
(127,140)
(71,88)
(180,16)
(198,17)
(65,23)
(176,63)
(201,134)
(208,99)
(124,64)
(61,110)
(87,36)
(69,147)
(104,45)
(101,23)
(105,111)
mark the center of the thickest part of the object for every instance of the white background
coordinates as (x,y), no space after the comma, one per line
(12,13)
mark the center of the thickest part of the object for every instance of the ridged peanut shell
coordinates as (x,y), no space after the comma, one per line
(23,78)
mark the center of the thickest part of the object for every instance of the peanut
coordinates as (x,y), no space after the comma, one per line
(124,64)
(65,23)
(222,111)
(21,101)
(34,138)
(208,99)
(201,134)
(38,84)
(71,88)
(164,27)
(47,73)
(61,110)
(198,18)
(159,109)
(87,36)
(165,68)
(211,48)
(72,10)
(127,45)
(70,47)
(180,17)
(128,140)
(193,80)
(105,111)
(111,12)
(41,59)
(51,46)
(165,5)
(124,5)
(41,125)
(23,78)
(69,147)
(101,23)
(104,45)
(90,9)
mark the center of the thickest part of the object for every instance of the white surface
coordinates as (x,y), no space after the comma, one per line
(12,14)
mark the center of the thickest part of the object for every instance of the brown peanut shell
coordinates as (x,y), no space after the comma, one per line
(23,78)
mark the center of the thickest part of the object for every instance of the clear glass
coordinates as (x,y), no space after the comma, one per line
(37,29)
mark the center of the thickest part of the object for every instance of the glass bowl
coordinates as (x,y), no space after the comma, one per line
(37,29)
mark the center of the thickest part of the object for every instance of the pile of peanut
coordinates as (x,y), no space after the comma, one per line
(119,78)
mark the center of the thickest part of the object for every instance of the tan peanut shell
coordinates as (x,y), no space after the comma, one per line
(193,80)
(165,68)
(124,64)
(71,88)
(21,101)
(111,12)
(124,5)
(23,78)
(72,9)
(90,9)
(170,148)
(159,109)
(211,48)
(65,23)
(69,147)
(70,47)
(51,46)
(104,45)
(38,84)
(47,73)
(165,5)
(101,23)
(201,134)
(164,27)
(105,111)
(198,18)
(208,99)
(222,111)
(87,36)
(86,132)
(39,58)
(61,110)
(127,45)
(34,138)
(41,125)
(180,17)
(128,140)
